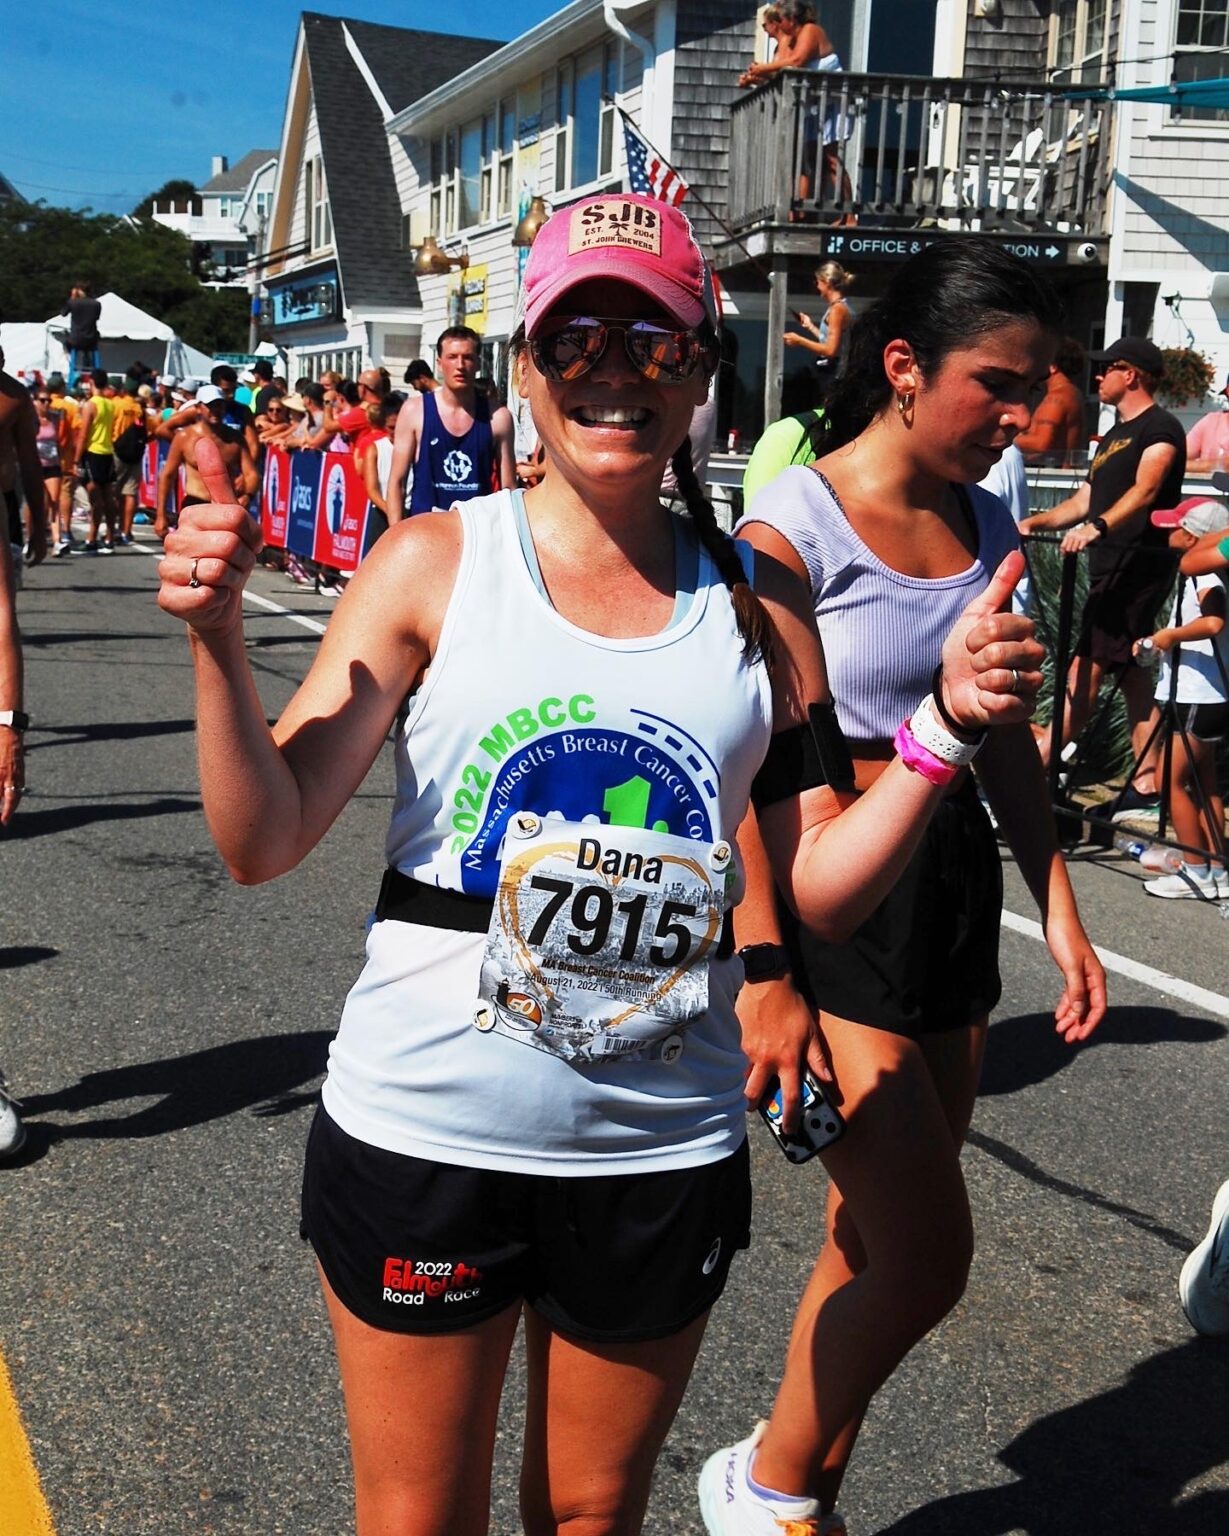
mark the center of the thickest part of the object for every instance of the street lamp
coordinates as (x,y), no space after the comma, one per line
(431,261)
(526,231)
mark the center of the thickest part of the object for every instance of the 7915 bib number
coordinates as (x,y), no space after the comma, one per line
(600,936)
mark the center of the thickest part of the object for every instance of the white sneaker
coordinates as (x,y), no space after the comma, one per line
(1185,882)
(12,1132)
(1203,1284)
(730,1507)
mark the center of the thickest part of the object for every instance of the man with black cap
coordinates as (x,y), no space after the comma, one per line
(1207,443)
(1138,467)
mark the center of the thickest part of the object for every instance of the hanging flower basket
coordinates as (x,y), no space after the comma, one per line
(1188,376)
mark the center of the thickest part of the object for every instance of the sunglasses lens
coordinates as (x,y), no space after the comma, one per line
(569,348)
(668,356)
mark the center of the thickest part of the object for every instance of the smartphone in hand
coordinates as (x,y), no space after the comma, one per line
(820,1123)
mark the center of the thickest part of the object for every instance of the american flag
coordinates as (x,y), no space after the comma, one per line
(647,172)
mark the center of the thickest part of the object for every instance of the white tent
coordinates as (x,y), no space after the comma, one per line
(25,347)
(127,334)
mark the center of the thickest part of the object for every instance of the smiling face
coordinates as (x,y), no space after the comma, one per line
(611,428)
(982,394)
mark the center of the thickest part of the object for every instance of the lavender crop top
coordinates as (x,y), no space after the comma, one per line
(883,632)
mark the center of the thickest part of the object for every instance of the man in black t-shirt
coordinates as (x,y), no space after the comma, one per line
(83,313)
(1138,469)
(262,385)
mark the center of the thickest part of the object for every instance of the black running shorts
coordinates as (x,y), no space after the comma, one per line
(927,958)
(1205,722)
(98,468)
(412,1246)
(1123,605)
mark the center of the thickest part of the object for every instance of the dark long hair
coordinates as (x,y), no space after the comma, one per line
(754,624)
(945,297)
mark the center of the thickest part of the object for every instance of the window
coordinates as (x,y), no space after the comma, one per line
(1201,52)
(503,157)
(584,117)
(319,220)
(263,202)
(470,180)
(471,171)
(1077,41)
(224,207)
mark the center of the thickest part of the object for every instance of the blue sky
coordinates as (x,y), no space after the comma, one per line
(97,110)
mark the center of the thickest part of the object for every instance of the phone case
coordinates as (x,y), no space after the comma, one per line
(820,1124)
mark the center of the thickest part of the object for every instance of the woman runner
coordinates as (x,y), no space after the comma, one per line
(893,537)
(534,1103)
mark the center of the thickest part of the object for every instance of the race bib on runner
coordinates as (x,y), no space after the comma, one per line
(600,937)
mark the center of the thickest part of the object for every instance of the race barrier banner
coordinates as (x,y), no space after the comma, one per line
(314,505)
(152,461)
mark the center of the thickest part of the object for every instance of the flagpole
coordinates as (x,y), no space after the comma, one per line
(708,208)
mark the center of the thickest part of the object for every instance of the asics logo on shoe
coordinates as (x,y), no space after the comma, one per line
(710,1263)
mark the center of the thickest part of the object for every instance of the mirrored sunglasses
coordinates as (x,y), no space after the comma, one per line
(568,347)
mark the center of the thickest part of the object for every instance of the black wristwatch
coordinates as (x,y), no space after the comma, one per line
(15,719)
(1100,525)
(764,962)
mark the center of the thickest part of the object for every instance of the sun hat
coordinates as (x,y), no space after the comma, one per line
(635,240)
(209,394)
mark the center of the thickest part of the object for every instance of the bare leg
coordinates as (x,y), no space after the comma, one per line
(597,1417)
(899,1245)
(421,1411)
(1142,716)
(1083,684)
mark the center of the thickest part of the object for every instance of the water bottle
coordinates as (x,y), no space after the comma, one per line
(1133,847)
(1160,859)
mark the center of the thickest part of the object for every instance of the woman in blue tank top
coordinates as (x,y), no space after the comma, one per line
(892,535)
(574,956)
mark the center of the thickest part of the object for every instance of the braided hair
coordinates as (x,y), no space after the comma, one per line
(750,615)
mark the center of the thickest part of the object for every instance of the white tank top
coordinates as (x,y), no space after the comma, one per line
(522,710)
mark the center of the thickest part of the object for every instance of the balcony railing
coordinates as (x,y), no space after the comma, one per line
(913,152)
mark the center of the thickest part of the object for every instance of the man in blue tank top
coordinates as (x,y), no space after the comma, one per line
(459,446)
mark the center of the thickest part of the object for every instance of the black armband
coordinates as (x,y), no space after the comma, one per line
(804,757)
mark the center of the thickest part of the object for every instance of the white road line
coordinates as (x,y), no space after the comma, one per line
(1122,965)
(261,602)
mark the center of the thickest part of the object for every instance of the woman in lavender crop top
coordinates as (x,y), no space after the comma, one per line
(893,538)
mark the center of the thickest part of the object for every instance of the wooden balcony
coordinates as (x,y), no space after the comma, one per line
(903,152)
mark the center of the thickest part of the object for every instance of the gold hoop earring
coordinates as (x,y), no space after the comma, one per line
(904,404)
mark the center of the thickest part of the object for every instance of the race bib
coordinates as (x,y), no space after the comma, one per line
(600,938)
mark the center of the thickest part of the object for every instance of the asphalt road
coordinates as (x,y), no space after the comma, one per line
(167,1030)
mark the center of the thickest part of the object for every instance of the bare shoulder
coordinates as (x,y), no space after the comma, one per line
(420,553)
(501,419)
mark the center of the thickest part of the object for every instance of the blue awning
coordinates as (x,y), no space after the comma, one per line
(1177,93)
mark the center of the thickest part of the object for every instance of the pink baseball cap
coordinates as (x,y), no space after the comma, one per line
(633,239)
(1197,514)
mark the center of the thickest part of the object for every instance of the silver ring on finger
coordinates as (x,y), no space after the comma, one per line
(1015,681)
(193,579)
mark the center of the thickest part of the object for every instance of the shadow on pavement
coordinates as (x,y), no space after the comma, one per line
(25,954)
(30,824)
(109,730)
(1116,1463)
(1025,1051)
(265,1075)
